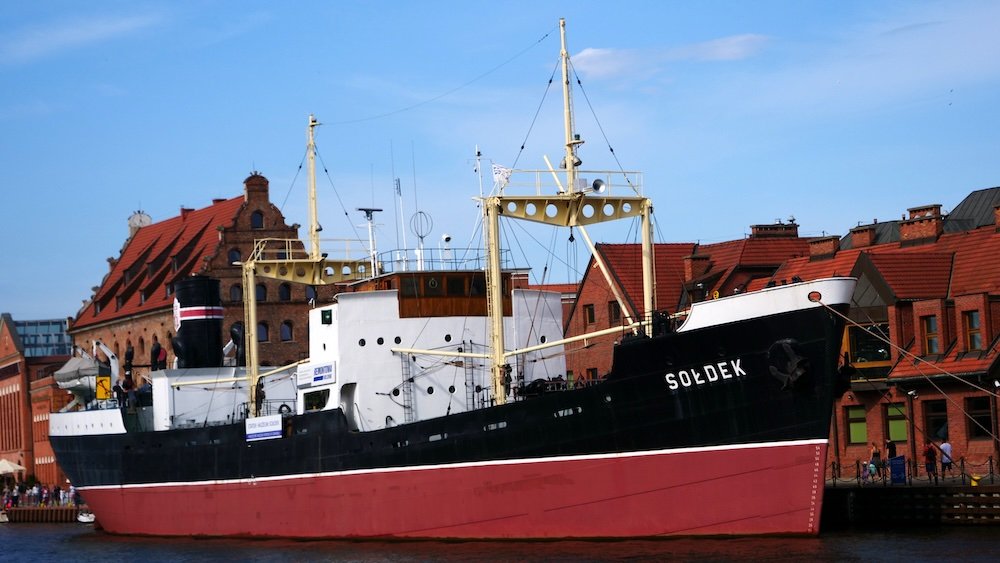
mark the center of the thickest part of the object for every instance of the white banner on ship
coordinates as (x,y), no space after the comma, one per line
(263,428)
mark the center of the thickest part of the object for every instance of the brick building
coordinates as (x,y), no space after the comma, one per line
(925,332)
(133,305)
(685,273)
(27,395)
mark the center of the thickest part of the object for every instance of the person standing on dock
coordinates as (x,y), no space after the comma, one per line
(876,462)
(946,459)
(930,462)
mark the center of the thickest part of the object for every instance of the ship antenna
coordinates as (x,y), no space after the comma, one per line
(571,160)
(314,227)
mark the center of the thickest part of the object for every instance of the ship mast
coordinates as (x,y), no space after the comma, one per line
(573,206)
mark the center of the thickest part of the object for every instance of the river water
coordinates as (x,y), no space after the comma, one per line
(80,542)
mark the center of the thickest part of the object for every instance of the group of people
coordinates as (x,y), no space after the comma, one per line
(20,494)
(930,460)
(878,467)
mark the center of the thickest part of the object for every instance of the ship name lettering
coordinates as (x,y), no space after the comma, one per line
(708,373)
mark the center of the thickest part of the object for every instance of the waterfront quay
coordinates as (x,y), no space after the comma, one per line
(907,498)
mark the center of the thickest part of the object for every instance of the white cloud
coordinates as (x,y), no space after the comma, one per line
(610,63)
(30,44)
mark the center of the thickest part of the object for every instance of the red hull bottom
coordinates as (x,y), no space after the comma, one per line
(729,490)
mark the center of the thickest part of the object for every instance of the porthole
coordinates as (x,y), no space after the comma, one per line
(361,342)
(451,388)
(380,341)
(395,392)
(430,390)
(542,339)
(397,340)
(447,338)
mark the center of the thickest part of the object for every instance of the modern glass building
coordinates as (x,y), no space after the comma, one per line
(44,338)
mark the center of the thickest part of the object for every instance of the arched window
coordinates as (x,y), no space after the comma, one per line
(286,331)
(142,346)
(234,255)
(310,292)
(262,334)
(237,328)
(284,292)
(261,292)
(236,293)
(256,220)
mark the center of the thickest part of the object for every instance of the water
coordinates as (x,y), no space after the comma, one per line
(81,543)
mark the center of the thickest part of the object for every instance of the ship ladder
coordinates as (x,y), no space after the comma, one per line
(470,383)
(407,390)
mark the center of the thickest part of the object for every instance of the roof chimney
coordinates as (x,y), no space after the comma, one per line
(776,230)
(924,225)
(996,217)
(823,248)
(696,266)
(184,212)
(863,236)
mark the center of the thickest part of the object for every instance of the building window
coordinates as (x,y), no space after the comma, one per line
(936,419)
(614,313)
(234,255)
(973,334)
(284,292)
(235,293)
(857,425)
(592,373)
(261,292)
(979,422)
(256,220)
(931,337)
(262,333)
(895,422)
(286,331)
(310,293)
(867,343)
(588,314)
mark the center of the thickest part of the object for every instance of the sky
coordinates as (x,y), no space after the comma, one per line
(736,113)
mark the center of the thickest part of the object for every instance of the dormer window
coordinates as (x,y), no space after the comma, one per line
(256,220)
(973,333)
(931,335)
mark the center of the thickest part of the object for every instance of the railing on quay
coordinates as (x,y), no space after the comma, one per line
(859,473)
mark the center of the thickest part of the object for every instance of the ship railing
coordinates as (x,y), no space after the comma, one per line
(544,182)
(442,258)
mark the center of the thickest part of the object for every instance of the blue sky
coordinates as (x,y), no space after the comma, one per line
(737,113)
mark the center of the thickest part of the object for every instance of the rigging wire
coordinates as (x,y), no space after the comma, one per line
(601,128)
(340,201)
(538,111)
(453,90)
(294,179)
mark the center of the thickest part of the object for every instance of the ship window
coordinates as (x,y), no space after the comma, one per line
(437,437)
(256,220)
(235,293)
(284,292)
(456,286)
(397,340)
(432,287)
(380,341)
(316,400)
(477,286)
(979,422)
(588,314)
(895,422)
(930,326)
(567,412)
(973,335)
(614,313)
(495,425)
(361,342)
(447,338)
(411,287)
(857,425)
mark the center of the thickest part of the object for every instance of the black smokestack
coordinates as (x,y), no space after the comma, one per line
(198,312)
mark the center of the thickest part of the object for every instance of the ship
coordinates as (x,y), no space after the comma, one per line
(434,402)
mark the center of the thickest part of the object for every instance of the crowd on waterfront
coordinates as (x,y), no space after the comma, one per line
(20,494)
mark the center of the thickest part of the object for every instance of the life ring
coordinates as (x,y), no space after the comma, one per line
(284,409)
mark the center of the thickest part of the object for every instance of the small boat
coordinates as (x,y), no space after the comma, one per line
(84,517)
(433,404)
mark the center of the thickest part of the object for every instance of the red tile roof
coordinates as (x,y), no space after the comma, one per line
(625,261)
(147,262)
